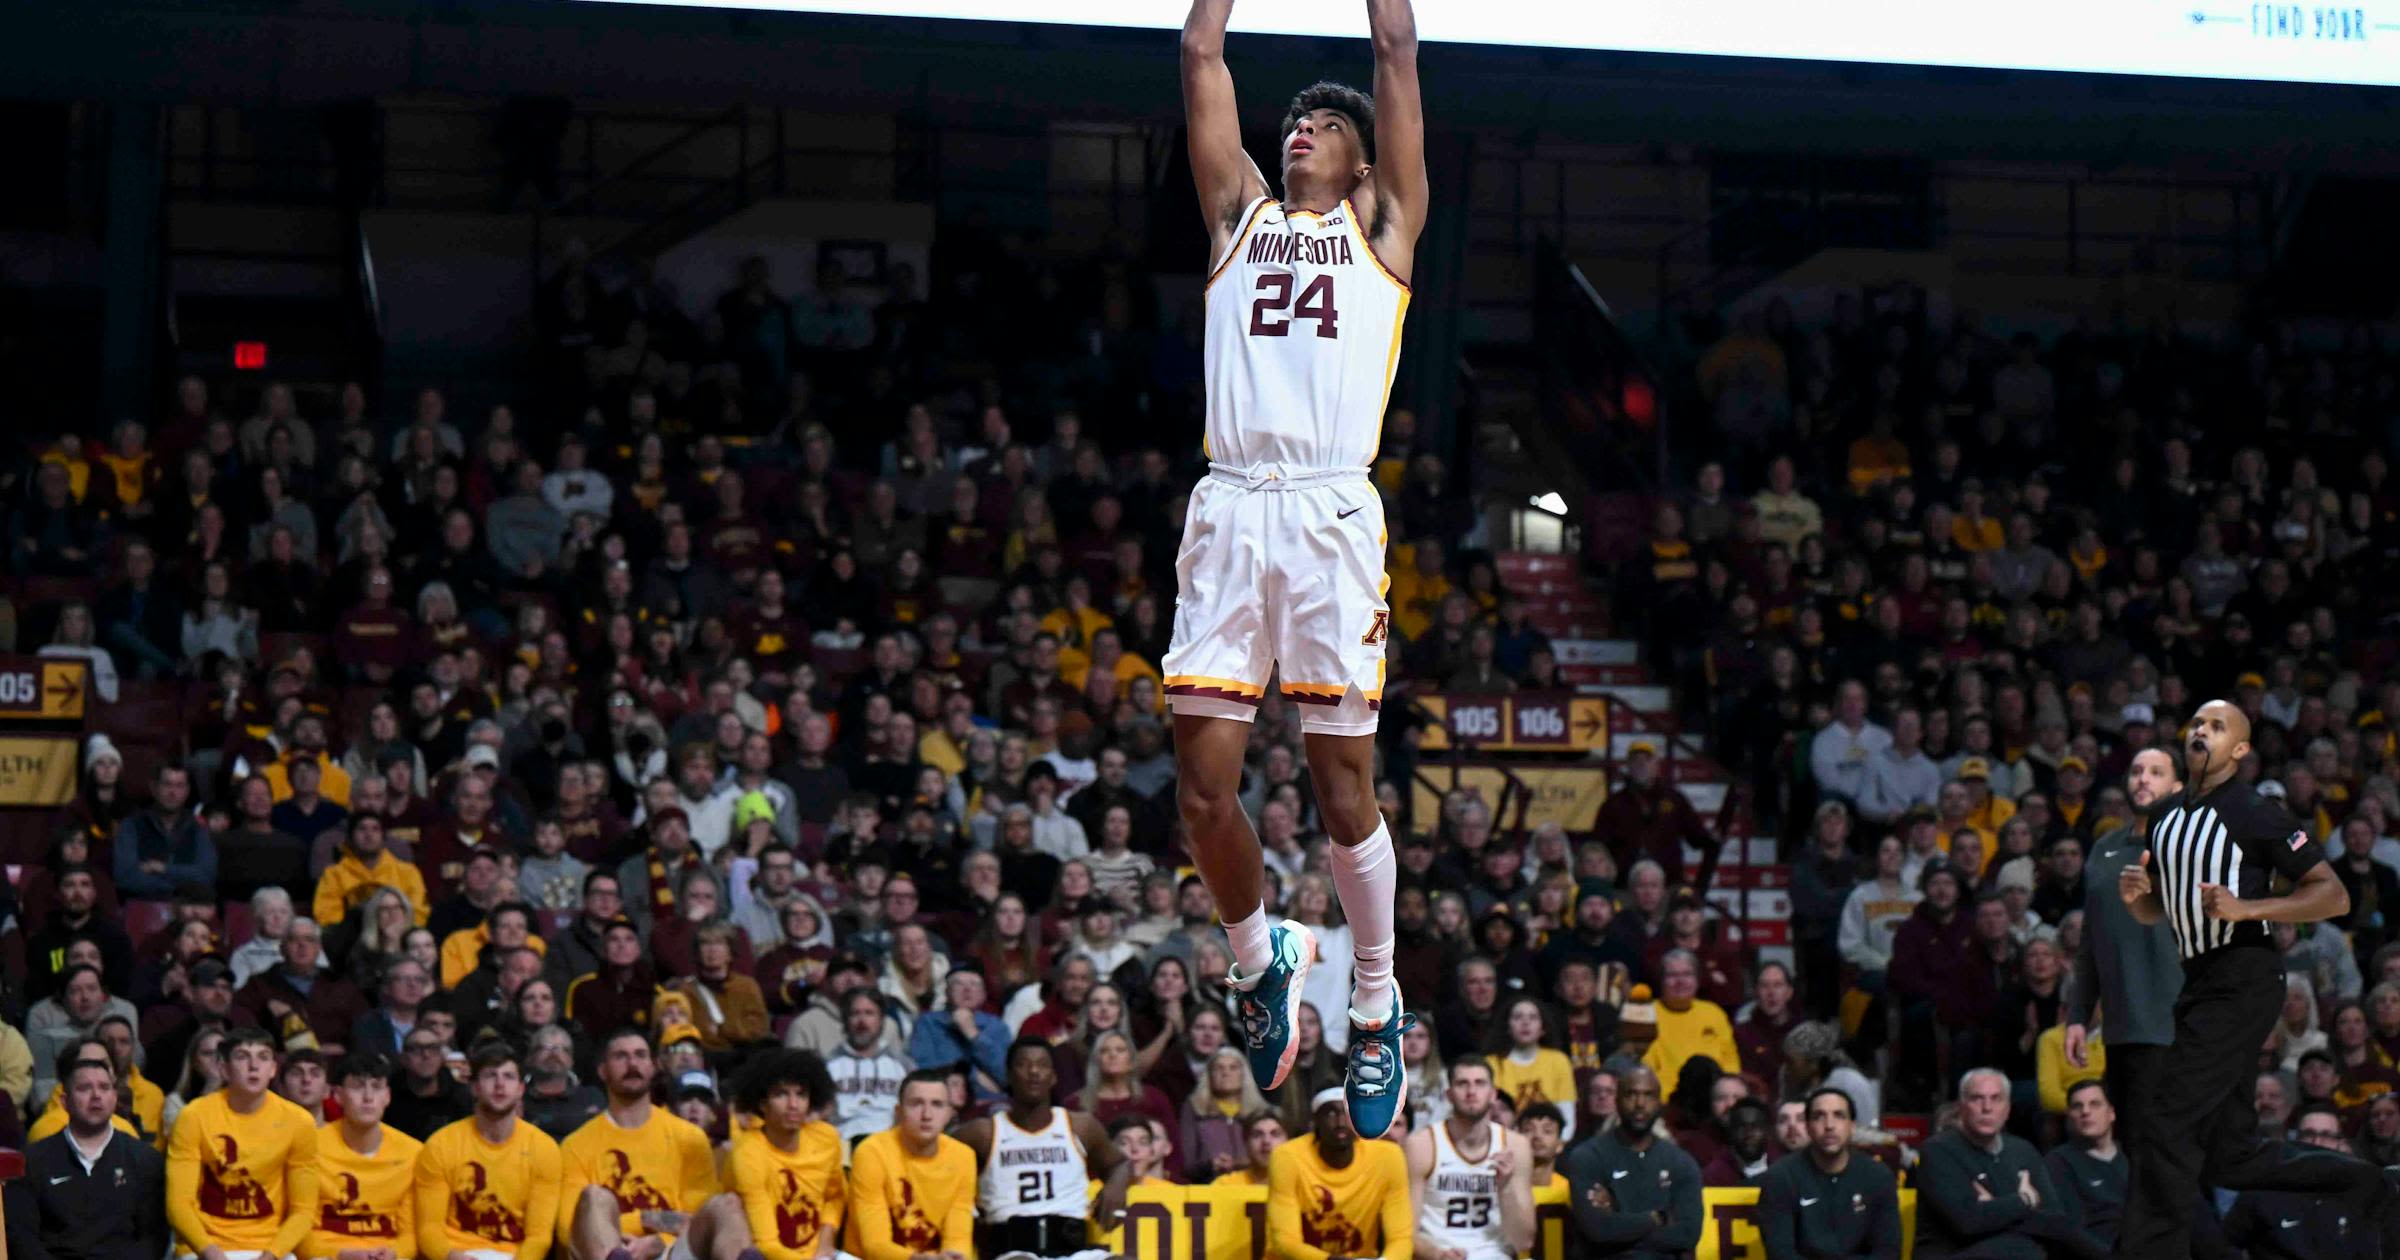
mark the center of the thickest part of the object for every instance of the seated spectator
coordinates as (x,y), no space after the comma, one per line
(1982,1189)
(304,1005)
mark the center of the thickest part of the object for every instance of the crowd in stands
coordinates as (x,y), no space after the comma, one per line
(787,677)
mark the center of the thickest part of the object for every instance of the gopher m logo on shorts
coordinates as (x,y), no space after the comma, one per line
(1381,630)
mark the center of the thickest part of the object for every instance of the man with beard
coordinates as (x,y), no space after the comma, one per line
(1825,1201)
(75,917)
(2212,856)
(1037,1162)
(488,1184)
(640,1181)
(1632,1193)
(1615,961)
(866,1071)
(1468,1176)
(1331,1195)
(2125,967)
(88,1192)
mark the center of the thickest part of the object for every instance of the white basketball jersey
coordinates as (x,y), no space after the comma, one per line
(1034,1174)
(1462,1199)
(1302,338)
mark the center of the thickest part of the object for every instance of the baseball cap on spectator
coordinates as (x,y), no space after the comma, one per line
(2139,714)
(2249,678)
(1917,814)
(1685,899)
(211,971)
(2017,874)
(695,1084)
(1974,769)
(2072,762)
(1641,748)
(672,813)
(676,1034)
(482,757)
(2272,789)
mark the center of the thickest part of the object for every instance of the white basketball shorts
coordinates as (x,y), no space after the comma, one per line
(1281,577)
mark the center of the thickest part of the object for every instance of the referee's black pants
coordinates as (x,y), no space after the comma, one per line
(2131,1073)
(2200,1123)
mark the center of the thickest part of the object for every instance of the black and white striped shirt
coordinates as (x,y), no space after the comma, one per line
(2231,837)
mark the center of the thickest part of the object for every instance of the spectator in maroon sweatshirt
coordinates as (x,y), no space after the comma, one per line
(1929,965)
(374,641)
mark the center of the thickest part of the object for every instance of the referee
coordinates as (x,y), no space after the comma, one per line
(2128,969)
(2212,854)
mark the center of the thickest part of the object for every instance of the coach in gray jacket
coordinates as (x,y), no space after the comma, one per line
(2129,969)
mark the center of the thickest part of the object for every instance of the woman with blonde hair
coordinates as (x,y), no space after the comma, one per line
(1211,1132)
(373,937)
(1328,984)
(2296,1032)
(1112,1087)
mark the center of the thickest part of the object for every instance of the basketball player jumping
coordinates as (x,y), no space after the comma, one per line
(1281,568)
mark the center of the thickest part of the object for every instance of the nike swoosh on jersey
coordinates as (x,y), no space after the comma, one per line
(1618,1175)
(1808,1202)
(2287,1224)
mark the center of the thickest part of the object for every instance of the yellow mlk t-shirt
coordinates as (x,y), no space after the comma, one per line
(242,1182)
(901,1205)
(364,1200)
(789,1196)
(472,1194)
(1315,1211)
(662,1165)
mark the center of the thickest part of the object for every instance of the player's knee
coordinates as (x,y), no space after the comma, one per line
(1204,803)
(597,1199)
(724,1203)
(1349,821)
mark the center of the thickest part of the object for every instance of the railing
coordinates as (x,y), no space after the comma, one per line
(1597,390)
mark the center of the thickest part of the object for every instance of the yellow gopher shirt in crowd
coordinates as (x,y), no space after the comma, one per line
(1315,1211)
(1550,1078)
(901,1205)
(665,1165)
(1700,1028)
(790,1197)
(242,1182)
(347,884)
(364,1200)
(473,1195)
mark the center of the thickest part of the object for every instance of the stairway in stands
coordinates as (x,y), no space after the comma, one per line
(1565,602)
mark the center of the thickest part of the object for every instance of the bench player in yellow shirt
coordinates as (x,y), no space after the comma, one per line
(366,1172)
(242,1163)
(1332,1196)
(641,1182)
(912,1187)
(787,1172)
(487,1186)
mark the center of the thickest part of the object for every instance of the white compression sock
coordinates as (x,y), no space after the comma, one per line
(1252,950)
(1367,877)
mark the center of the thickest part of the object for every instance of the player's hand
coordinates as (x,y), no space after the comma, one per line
(1110,1208)
(1983,1193)
(2133,883)
(1599,1197)
(1504,1161)
(2217,902)
(2075,1049)
(2025,1190)
(1449,1253)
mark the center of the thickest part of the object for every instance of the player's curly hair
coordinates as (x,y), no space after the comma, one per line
(1326,94)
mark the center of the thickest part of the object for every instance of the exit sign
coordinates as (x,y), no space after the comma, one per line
(250,356)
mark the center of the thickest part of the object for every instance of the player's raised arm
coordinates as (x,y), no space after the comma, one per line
(1400,196)
(1225,175)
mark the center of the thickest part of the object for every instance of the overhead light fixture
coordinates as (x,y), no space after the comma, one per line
(1553,503)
